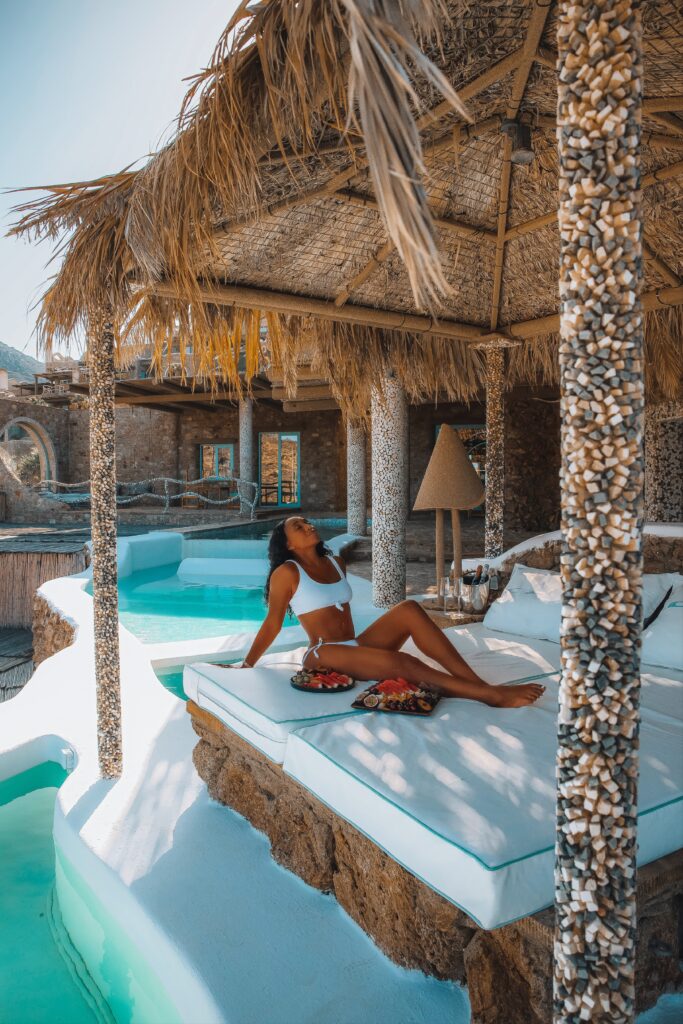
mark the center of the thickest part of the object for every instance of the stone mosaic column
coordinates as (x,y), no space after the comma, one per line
(663,461)
(495,451)
(356,484)
(389,414)
(601,352)
(103,526)
(247,468)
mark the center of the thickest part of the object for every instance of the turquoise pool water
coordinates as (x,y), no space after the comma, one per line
(157,606)
(261,530)
(37,982)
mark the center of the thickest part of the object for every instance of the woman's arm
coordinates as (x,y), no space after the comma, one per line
(283,583)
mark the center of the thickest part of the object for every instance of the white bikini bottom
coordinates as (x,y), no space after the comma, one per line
(325,643)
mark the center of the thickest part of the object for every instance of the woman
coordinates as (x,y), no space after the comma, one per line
(305,577)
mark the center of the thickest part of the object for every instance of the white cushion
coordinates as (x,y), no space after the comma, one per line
(259,704)
(656,585)
(663,640)
(465,799)
(530,605)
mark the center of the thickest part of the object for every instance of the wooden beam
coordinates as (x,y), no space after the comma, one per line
(662,268)
(178,398)
(373,264)
(285,302)
(458,227)
(321,406)
(473,88)
(661,298)
(534,33)
(669,121)
(305,393)
(546,57)
(661,104)
(536,223)
(279,302)
(663,174)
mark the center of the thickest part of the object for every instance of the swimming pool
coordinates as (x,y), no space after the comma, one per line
(41,976)
(262,529)
(157,606)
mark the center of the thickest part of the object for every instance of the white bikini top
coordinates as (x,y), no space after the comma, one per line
(311,596)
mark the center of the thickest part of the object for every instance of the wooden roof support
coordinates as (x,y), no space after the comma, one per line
(536,223)
(337,181)
(284,302)
(537,20)
(661,104)
(662,268)
(364,273)
(546,57)
(448,223)
(658,299)
(669,121)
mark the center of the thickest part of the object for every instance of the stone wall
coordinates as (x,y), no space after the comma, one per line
(146,443)
(508,972)
(322,438)
(532,464)
(54,419)
(51,633)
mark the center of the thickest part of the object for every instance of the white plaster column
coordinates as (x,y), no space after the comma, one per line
(389,414)
(247,466)
(356,483)
(103,527)
(601,368)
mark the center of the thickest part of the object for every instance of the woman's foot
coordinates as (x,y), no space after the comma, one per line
(515,696)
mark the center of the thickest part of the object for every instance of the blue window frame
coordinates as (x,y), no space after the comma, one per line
(279,469)
(216,461)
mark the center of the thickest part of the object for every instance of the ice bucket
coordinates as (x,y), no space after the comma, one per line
(473,596)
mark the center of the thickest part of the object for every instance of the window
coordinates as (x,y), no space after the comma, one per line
(216,460)
(279,469)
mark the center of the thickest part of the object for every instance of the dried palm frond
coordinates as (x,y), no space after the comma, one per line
(88,218)
(279,69)
(383,48)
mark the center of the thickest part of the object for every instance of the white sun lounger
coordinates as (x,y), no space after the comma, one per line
(465,800)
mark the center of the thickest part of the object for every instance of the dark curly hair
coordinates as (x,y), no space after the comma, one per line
(279,553)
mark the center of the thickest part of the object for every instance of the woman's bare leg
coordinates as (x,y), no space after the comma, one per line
(408,619)
(378,663)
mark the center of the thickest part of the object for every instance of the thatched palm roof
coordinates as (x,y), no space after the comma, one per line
(326,172)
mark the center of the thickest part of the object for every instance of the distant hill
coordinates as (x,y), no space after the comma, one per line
(18,364)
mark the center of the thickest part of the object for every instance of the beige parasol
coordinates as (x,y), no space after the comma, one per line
(450,481)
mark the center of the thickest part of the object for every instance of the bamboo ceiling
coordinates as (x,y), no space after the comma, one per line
(395,238)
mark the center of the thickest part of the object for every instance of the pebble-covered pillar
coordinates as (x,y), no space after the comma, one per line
(103,526)
(601,352)
(356,485)
(495,451)
(246,445)
(663,461)
(389,414)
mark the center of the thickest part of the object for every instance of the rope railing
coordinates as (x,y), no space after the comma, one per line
(48,488)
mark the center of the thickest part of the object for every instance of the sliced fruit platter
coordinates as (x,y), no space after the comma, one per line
(322,681)
(397,696)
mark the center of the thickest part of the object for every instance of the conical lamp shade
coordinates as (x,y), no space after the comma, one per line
(451,481)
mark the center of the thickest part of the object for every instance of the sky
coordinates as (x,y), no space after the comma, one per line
(87,87)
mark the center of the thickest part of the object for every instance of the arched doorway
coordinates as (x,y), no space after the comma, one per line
(29,449)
